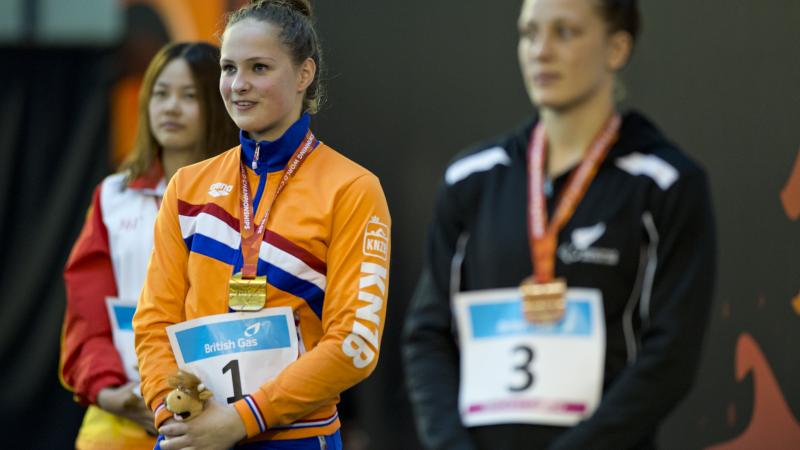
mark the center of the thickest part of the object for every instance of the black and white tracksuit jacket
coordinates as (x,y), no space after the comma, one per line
(643,235)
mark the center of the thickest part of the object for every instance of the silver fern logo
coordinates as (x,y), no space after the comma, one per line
(580,249)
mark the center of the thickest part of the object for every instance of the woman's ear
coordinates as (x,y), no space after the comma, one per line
(308,69)
(620,47)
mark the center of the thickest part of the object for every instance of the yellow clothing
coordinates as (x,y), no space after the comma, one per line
(101,430)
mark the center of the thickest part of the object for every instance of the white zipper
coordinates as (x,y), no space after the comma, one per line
(256,154)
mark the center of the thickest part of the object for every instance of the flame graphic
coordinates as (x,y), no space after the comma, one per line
(790,195)
(772,426)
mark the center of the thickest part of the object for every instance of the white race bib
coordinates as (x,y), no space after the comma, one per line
(235,353)
(120,315)
(515,372)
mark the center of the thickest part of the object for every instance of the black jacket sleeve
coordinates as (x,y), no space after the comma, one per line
(673,322)
(429,348)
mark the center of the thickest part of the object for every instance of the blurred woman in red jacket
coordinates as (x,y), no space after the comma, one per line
(182,120)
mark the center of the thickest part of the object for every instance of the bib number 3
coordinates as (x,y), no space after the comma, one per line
(523,368)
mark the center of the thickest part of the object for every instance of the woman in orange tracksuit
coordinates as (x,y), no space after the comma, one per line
(182,119)
(281,205)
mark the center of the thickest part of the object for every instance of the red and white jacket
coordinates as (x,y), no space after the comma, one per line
(109,259)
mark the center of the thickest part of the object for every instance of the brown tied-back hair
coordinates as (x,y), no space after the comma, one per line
(298,34)
(622,15)
(218,132)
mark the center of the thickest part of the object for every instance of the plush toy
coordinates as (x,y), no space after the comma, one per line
(188,395)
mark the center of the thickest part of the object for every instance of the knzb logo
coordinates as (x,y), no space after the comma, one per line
(376,239)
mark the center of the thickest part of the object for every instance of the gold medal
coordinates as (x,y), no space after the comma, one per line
(247,294)
(543,303)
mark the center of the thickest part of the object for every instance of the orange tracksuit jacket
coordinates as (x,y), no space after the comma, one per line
(325,253)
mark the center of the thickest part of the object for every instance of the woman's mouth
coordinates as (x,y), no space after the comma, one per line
(545,78)
(243,105)
(172,126)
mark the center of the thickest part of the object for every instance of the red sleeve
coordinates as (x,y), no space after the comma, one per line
(89,361)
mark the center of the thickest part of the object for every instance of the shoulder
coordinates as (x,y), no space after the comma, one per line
(217,174)
(643,150)
(337,168)
(488,157)
(116,181)
(113,190)
(476,161)
(227,160)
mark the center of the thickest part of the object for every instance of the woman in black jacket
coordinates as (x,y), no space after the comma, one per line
(497,354)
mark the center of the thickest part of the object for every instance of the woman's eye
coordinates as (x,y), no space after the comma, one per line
(190,95)
(528,33)
(228,68)
(565,32)
(159,94)
(260,67)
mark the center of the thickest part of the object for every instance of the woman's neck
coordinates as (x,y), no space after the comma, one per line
(174,159)
(277,130)
(570,132)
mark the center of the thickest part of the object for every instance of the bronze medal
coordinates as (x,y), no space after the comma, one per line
(543,302)
(247,294)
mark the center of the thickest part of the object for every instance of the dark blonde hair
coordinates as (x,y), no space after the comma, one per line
(298,34)
(622,15)
(218,132)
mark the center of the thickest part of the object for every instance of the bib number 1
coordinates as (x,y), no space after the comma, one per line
(236,379)
(236,353)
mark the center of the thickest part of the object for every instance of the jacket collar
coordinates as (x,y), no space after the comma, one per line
(636,133)
(274,155)
(151,182)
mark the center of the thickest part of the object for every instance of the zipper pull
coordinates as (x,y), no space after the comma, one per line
(256,155)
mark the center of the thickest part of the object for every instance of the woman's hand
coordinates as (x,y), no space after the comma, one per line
(216,428)
(121,401)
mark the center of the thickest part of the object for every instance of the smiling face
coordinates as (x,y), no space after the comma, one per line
(262,87)
(174,110)
(566,52)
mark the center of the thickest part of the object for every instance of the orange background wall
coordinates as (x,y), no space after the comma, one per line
(184,20)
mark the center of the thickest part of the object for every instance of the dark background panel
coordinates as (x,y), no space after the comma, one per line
(409,84)
(53,149)
(730,96)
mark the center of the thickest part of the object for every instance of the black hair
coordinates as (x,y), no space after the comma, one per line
(218,132)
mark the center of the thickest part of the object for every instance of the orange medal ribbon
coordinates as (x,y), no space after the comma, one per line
(246,290)
(251,238)
(543,236)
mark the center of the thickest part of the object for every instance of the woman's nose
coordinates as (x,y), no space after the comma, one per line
(172,104)
(240,83)
(542,46)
